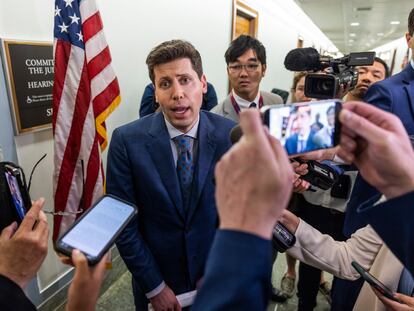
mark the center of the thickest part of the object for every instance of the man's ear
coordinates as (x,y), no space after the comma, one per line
(264,67)
(408,37)
(204,83)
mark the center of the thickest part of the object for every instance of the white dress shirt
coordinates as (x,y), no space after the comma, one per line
(412,62)
(243,104)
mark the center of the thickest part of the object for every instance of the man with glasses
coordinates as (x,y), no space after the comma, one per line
(246,66)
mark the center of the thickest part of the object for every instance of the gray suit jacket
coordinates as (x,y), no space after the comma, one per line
(226,109)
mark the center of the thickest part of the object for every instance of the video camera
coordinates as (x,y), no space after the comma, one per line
(341,76)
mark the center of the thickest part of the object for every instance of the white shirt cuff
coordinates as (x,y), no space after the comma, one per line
(155,291)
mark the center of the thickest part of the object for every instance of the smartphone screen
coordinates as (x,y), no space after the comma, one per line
(94,233)
(374,282)
(305,127)
(16,195)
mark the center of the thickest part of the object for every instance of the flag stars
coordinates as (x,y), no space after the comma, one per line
(80,36)
(63,28)
(74,19)
(57,11)
(68,3)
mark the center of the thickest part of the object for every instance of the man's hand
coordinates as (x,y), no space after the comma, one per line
(84,290)
(22,251)
(299,185)
(406,305)
(254,180)
(290,221)
(378,144)
(320,155)
(165,301)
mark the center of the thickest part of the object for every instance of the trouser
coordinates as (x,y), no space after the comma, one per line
(326,221)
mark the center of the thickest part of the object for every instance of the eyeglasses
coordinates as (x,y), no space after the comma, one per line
(238,68)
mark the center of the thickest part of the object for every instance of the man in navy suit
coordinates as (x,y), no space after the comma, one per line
(395,95)
(302,140)
(164,164)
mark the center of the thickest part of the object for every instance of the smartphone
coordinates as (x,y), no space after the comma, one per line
(304,127)
(96,230)
(19,201)
(384,290)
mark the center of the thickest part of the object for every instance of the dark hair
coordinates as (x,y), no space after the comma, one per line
(296,79)
(387,70)
(243,43)
(330,109)
(411,23)
(169,51)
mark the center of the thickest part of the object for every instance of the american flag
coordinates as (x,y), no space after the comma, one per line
(85,92)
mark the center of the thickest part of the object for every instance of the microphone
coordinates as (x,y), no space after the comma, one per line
(305,59)
(235,134)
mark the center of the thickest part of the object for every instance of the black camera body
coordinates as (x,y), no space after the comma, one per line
(319,175)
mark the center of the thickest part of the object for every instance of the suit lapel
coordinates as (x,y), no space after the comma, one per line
(159,147)
(409,88)
(228,109)
(206,150)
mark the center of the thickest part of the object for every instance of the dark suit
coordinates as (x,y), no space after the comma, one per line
(291,144)
(12,297)
(395,95)
(165,242)
(237,273)
(393,221)
(148,104)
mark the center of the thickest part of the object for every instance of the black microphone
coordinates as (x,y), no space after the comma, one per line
(304,59)
(235,134)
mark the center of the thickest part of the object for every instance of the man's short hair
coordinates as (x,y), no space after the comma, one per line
(411,23)
(383,63)
(169,51)
(243,43)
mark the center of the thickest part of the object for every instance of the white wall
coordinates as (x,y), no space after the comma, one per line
(132,29)
(388,49)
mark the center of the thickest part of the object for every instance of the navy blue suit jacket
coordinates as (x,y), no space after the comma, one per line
(165,242)
(237,274)
(395,95)
(291,144)
(148,104)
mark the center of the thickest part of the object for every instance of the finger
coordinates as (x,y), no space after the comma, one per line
(279,152)
(405,299)
(252,125)
(32,215)
(8,232)
(80,262)
(362,126)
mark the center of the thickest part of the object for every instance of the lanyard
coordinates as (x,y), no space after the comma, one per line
(237,107)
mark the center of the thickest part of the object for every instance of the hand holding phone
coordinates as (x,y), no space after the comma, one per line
(374,282)
(305,127)
(95,232)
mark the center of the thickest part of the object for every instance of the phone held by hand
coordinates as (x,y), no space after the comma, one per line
(97,229)
(374,282)
(304,127)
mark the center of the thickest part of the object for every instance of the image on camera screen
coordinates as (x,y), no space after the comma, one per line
(305,127)
(16,195)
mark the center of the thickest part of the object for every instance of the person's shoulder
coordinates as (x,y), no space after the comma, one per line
(219,121)
(138,126)
(271,98)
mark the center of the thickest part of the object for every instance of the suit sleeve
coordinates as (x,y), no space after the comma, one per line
(323,252)
(133,249)
(209,98)
(147,101)
(379,96)
(393,221)
(237,274)
(12,297)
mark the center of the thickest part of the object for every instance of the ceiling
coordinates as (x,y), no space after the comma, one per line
(334,18)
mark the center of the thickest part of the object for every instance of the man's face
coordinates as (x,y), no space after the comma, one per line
(245,80)
(179,91)
(367,76)
(300,91)
(303,121)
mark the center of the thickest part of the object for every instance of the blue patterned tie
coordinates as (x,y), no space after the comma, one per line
(185,166)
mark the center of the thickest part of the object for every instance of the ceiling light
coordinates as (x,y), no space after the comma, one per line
(352,35)
(395,22)
(380,34)
(354,24)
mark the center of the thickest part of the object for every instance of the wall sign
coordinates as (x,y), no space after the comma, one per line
(30,67)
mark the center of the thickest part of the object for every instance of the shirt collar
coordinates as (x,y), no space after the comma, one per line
(173,132)
(245,103)
(412,62)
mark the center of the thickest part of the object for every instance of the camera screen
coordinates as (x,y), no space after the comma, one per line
(16,195)
(99,226)
(304,127)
